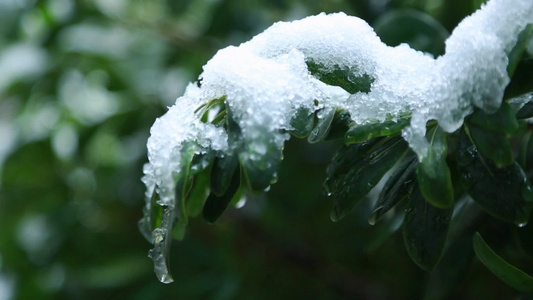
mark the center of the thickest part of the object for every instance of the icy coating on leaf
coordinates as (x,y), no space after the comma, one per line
(266,81)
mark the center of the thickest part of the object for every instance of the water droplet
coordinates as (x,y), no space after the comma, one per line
(521,224)
(326,189)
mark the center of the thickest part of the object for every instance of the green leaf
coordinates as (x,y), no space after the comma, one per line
(425,230)
(511,275)
(339,125)
(344,159)
(397,188)
(162,240)
(359,133)
(505,193)
(415,28)
(199,192)
(526,111)
(502,121)
(152,213)
(184,179)
(433,174)
(260,174)
(223,169)
(341,76)
(385,229)
(350,188)
(259,157)
(493,145)
(323,125)
(203,110)
(216,205)
(201,161)
(522,80)
(302,122)
(516,54)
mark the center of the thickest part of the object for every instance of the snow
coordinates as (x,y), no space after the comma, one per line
(266,80)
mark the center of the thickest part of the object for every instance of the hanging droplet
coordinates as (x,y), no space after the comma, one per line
(521,224)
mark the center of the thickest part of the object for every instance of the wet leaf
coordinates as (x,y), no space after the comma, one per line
(359,133)
(425,230)
(493,145)
(339,125)
(184,179)
(396,189)
(526,111)
(505,193)
(323,125)
(385,229)
(152,213)
(302,122)
(433,174)
(199,192)
(343,77)
(162,240)
(510,274)
(223,169)
(346,157)
(259,175)
(350,188)
(502,121)
(216,205)
(522,80)
(516,54)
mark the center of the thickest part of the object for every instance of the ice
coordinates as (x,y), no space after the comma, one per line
(267,80)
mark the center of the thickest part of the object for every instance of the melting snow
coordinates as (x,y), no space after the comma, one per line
(266,80)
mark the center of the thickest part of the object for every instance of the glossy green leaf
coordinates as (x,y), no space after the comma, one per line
(425,230)
(340,76)
(345,158)
(152,213)
(525,154)
(302,122)
(385,229)
(259,158)
(415,28)
(339,125)
(502,121)
(516,53)
(522,80)
(216,205)
(184,180)
(505,193)
(223,169)
(493,145)
(360,133)
(201,161)
(203,111)
(396,188)
(433,174)
(511,275)
(260,174)
(349,189)
(199,192)
(323,125)
(526,111)
(162,240)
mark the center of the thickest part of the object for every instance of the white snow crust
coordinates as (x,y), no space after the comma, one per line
(266,80)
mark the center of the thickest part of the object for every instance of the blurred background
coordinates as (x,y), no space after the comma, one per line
(82,81)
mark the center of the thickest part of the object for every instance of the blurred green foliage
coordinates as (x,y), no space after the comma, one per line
(81,82)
